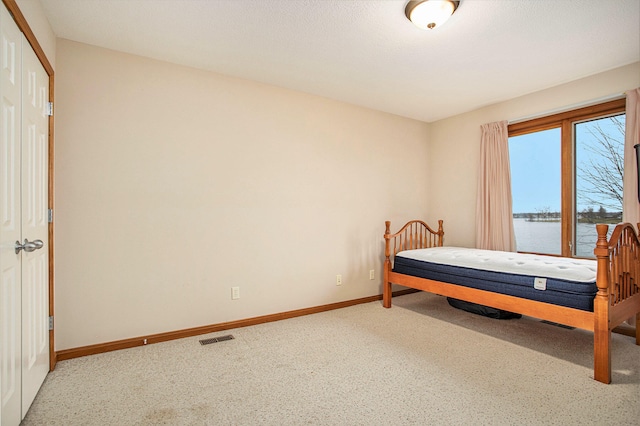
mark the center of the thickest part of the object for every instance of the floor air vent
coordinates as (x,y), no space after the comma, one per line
(216,339)
(568,327)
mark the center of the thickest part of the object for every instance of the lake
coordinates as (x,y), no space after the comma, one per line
(545,237)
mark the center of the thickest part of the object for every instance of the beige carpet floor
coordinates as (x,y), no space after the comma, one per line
(420,363)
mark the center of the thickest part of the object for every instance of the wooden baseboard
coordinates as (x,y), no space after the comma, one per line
(190,332)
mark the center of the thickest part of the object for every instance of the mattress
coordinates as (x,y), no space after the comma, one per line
(556,280)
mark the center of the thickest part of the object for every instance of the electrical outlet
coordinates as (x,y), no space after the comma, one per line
(235,293)
(338,279)
(372,274)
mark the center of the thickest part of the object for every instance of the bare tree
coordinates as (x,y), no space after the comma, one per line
(602,173)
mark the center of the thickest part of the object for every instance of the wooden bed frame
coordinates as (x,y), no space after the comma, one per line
(618,282)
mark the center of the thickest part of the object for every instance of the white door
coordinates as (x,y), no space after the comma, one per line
(35,226)
(24,335)
(11,221)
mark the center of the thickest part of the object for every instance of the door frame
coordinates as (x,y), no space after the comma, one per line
(21,21)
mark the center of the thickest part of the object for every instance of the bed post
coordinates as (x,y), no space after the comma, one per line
(601,331)
(440,233)
(386,285)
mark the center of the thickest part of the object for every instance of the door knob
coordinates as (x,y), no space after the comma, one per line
(29,246)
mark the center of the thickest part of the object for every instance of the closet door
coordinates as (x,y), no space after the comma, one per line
(35,226)
(10,221)
(24,299)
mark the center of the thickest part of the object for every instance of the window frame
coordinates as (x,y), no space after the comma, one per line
(565,122)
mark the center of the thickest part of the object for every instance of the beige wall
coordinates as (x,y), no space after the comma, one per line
(174,185)
(454,144)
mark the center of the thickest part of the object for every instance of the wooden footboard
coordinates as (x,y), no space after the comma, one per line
(618,295)
(618,282)
(622,260)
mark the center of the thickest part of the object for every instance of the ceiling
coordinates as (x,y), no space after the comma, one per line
(366,52)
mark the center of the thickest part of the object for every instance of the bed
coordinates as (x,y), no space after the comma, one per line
(597,303)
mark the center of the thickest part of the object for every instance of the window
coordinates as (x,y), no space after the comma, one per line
(535,186)
(566,176)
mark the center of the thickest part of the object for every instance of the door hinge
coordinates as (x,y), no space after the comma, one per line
(50,323)
(50,109)
(50,215)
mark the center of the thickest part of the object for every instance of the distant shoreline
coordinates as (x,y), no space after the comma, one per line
(591,220)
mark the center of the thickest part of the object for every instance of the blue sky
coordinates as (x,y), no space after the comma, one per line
(535,168)
(535,171)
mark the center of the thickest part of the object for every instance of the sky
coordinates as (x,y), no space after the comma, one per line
(535,171)
(535,167)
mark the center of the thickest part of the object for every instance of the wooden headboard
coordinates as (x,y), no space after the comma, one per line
(414,235)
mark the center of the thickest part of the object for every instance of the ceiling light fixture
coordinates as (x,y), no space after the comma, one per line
(429,14)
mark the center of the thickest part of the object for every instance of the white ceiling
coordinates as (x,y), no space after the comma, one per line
(366,52)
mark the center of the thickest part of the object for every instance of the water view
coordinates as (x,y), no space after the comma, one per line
(545,237)
(594,170)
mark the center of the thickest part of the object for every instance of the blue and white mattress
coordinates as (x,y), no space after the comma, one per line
(556,280)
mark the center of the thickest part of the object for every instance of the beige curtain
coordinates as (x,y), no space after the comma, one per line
(494,217)
(630,204)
